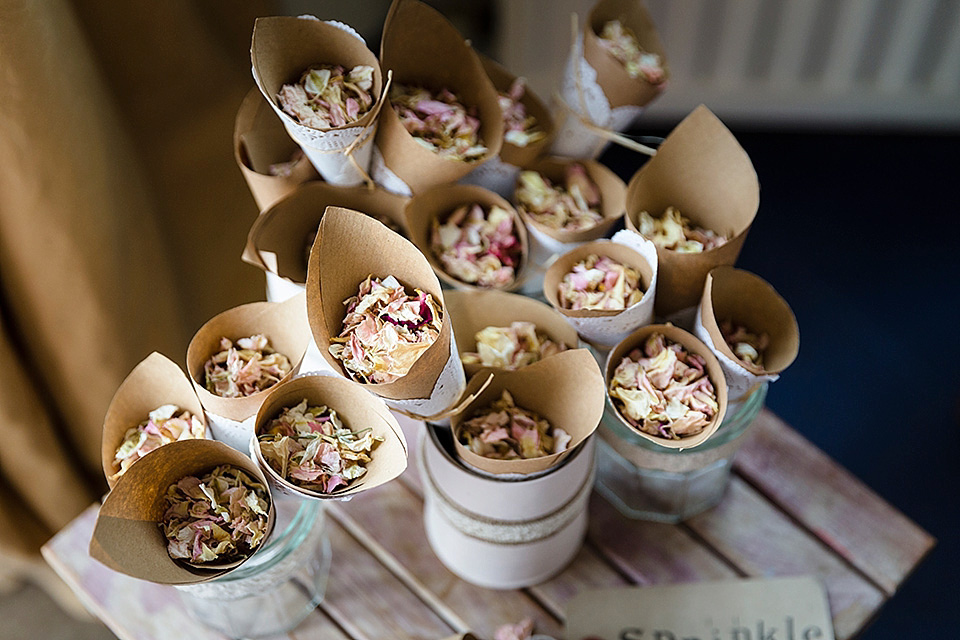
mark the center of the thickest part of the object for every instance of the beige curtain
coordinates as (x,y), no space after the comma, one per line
(122,220)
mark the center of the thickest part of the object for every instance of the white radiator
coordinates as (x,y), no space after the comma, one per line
(852,62)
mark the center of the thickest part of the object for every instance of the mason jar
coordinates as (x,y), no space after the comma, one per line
(278,587)
(646,481)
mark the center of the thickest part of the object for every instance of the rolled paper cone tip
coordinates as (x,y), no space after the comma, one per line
(692,345)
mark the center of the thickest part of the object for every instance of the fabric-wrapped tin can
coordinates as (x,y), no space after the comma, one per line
(503,533)
(646,481)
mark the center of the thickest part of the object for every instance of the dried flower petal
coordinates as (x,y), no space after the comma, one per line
(161,427)
(599,282)
(622,43)
(220,516)
(572,207)
(512,347)
(326,96)
(504,431)
(519,128)
(748,347)
(478,246)
(674,232)
(285,169)
(663,390)
(385,330)
(247,368)
(519,631)
(439,121)
(311,447)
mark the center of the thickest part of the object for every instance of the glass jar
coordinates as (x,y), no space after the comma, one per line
(646,481)
(278,587)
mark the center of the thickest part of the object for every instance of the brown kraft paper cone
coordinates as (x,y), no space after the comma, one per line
(422,48)
(358,410)
(748,300)
(619,88)
(472,311)
(600,326)
(511,153)
(281,50)
(127,537)
(283,323)
(692,345)
(703,171)
(349,248)
(154,382)
(259,141)
(566,389)
(277,240)
(437,202)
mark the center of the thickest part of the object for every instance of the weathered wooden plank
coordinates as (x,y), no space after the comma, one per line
(762,542)
(369,602)
(589,570)
(392,515)
(136,609)
(832,503)
(650,552)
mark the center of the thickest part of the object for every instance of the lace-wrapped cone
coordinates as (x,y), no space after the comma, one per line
(145,414)
(702,170)
(674,232)
(564,391)
(244,371)
(220,512)
(471,236)
(623,45)
(326,86)
(278,237)
(385,330)
(328,95)
(245,368)
(749,327)
(350,248)
(667,386)
(321,437)
(163,425)
(605,288)
(218,518)
(505,330)
(600,283)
